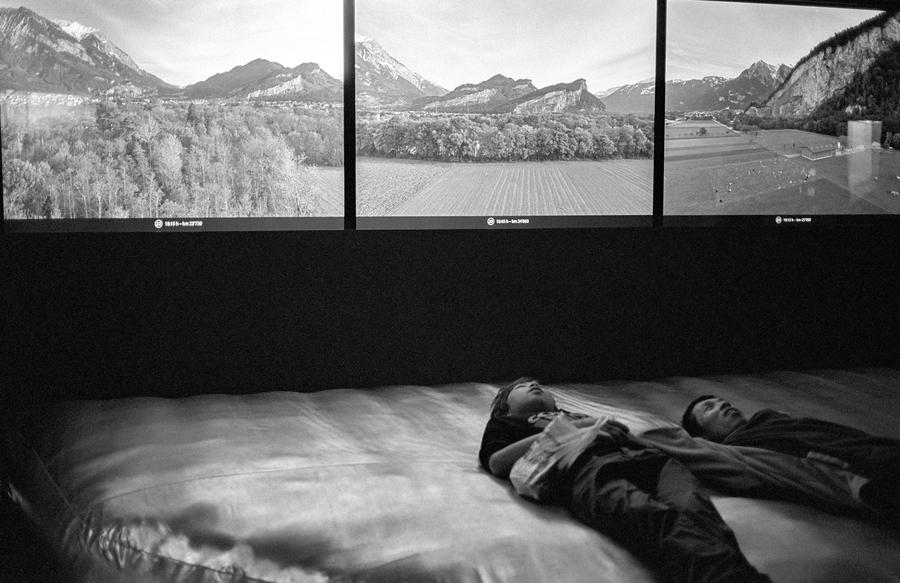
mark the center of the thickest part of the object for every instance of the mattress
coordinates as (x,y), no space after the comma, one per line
(383,484)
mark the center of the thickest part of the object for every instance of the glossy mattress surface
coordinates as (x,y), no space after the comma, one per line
(383,484)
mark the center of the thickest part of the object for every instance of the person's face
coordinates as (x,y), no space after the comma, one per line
(529,397)
(717,418)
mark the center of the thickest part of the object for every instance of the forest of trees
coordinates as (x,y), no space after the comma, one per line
(171,159)
(504,137)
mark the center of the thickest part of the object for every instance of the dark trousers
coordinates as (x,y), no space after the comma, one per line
(653,506)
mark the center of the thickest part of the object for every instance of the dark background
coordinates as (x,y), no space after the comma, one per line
(118,314)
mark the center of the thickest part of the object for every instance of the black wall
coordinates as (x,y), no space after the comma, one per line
(167,314)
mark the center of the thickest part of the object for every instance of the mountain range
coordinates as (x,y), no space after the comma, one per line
(39,54)
(752,85)
(383,82)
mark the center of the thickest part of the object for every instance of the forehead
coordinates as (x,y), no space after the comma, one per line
(698,406)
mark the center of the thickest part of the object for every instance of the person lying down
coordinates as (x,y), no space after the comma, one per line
(618,484)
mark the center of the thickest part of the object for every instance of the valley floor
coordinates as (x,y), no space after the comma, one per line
(762,173)
(589,188)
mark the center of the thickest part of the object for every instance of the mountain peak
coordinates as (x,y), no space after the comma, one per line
(260,62)
(762,71)
(499,78)
(307,67)
(76,29)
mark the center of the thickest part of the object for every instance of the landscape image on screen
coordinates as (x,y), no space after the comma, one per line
(781,110)
(209,109)
(472,109)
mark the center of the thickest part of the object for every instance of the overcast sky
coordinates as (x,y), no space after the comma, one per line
(606,42)
(724,38)
(186,41)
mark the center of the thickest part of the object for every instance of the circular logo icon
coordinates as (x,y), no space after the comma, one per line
(490,221)
(777,220)
(157,223)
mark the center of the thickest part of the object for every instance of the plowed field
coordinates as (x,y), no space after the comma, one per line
(612,187)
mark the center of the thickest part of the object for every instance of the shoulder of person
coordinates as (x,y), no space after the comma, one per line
(769,414)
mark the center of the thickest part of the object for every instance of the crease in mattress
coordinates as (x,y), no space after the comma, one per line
(79,519)
(315,468)
(158,556)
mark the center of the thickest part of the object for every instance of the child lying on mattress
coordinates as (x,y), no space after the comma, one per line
(637,495)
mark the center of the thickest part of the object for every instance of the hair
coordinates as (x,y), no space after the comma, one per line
(689,422)
(500,406)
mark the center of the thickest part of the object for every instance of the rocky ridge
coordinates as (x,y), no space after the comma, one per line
(830,70)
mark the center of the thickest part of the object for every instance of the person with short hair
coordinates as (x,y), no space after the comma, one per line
(636,494)
(876,460)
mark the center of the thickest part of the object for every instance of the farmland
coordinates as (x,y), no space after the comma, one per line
(764,172)
(328,190)
(414,188)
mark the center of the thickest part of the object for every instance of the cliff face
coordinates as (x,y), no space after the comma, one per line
(481,97)
(830,70)
(564,97)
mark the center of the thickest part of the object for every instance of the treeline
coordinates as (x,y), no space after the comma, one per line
(172,159)
(873,94)
(504,137)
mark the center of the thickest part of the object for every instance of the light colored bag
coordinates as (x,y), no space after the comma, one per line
(556,449)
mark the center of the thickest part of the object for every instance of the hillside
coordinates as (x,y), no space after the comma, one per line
(833,66)
(871,94)
(383,81)
(559,98)
(262,79)
(479,97)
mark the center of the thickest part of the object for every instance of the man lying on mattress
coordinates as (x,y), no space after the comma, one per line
(870,463)
(634,493)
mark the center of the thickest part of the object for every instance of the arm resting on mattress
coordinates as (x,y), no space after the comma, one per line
(502,461)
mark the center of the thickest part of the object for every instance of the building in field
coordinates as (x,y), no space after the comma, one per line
(818,151)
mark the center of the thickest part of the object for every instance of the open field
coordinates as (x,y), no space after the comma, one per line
(329,190)
(404,188)
(692,128)
(764,173)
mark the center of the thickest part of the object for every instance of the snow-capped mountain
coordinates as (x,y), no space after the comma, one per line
(41,55)
(382,80)
(710,93)
(99,40)
(262,79)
